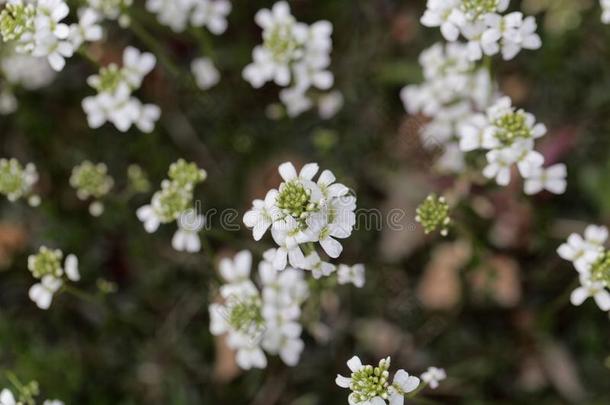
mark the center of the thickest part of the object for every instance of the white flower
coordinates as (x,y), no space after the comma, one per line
(186,238)
(211,14)
(206,74)
(605,4)
(42,293)
(53,402)
(583,252)
(119,108)
(552,179)
(512,31)
(303,212)
(351,274)
(370,385)
(55,50)
(293,55)
(330,104)
(433,376)
(71,268)
(136,65)
(260,321)
(295,100)
(591,288)
(499,164)
(472,132)
(446,15)
(149,217)
(7,397)
(87,29)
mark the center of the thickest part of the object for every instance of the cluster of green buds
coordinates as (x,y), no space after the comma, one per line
(17,181)
(244,314)
(46,262)
(92,181)
(108,79)
(370,382)
(433,214)
(176,194)
(477,9)
(600,269)
(295,200)
(138,180)
(281,41)
(17,21)
(512,127)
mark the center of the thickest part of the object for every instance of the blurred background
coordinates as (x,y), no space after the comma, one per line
(490,303)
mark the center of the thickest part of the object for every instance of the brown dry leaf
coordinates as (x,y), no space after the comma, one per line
(440,288)
(499,279)
(225,367)
(380,337)
(13,239)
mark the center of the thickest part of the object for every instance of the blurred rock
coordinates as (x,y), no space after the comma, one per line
(499,279)
(440,287)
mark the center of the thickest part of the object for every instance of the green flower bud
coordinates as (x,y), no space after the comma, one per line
(433,214)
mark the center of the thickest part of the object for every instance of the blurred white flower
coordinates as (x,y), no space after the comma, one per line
(351,275)
(206,74)
(42,293)
(87,29)
(591,289)
(605,4)
(293,55)
(552,179)
(433,376)
(330,104)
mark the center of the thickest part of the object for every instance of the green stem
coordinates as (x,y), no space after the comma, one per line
(203,40)
(77,292)
(12,378)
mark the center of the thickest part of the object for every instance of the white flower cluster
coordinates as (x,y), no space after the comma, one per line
(508,134)
(177,14)
(591,259)
(468,113)
(293,55)
(303,212)
(371,385)
(605,4)
(21,70)
(17,181)
(36,28)
(7,397)
(454,89)
(46,267)
(114,101)
(260,320)
(174,202)
(113,10)
(483,25)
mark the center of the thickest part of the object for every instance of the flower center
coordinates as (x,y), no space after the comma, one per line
(295,200)
(370,382)
(46,262)
(110,78)
(246,315)
(476,9)
(600,270)
(171,201)
(511,127)
(15,19)
(433,213)
(280,42)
